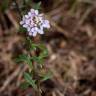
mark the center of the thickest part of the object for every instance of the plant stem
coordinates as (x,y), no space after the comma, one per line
(35,73)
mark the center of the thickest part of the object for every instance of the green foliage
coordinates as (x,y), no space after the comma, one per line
(24,85)
(29,59)
(22,29)
(41,47)
(25,58)
(29,79)
(27,4)
(44,51)
(46,76)
(39,60)
(33,77)
(24,5)
(30,45)
(37,6)
(33,46)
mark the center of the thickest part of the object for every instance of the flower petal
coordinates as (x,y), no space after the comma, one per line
(30,34)
(25,25)
(29,14)
(34,33)
(34,22)
(36,12)
(21,22)
(26,16)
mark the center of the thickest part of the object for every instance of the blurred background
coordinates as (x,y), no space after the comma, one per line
(71,42)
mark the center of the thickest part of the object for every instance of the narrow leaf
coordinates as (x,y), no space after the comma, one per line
(24,58)
(28,78)
(46,76)
(37,6)
(24,85)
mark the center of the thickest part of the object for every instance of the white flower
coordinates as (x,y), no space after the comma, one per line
(34,22)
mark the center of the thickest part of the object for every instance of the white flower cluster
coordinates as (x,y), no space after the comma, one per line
(34,22)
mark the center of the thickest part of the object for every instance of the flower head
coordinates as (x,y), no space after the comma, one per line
(34,22)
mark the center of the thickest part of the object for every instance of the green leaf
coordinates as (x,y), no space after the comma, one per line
(21,58)
(39,60)
(36,59)
(29,63)
(33,46)
(22,29)
(30,44)
(41,46)
(44,53)
(24,58)
(46,76)
(24,85)
(28,78)
(37,6)
(27,2)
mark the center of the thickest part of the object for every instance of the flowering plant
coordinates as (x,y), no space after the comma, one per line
(35,23)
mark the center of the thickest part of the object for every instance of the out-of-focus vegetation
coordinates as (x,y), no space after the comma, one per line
(71,43)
